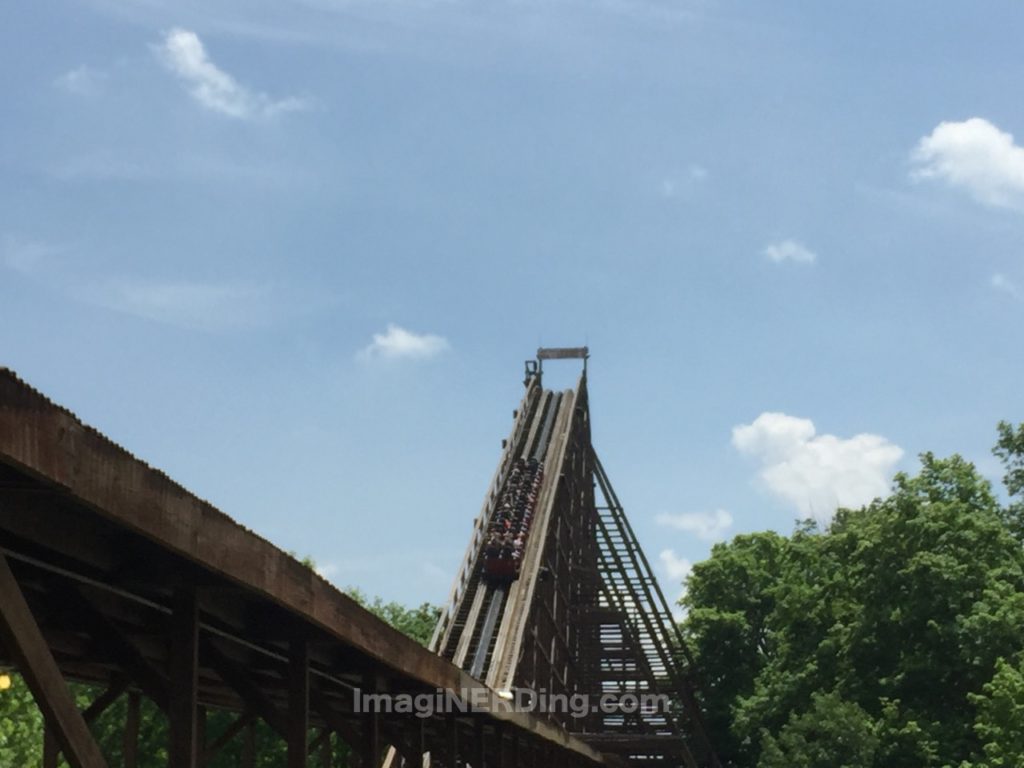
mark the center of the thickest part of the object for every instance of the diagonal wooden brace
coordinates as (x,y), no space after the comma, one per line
(20,633)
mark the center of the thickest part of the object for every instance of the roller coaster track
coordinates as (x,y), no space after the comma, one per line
(585,615)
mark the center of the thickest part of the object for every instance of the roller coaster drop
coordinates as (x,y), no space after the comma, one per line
(555,594)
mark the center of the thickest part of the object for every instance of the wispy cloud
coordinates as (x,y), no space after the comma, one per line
(976,156)
(25,256)
(186,304)
(709,526)
(122,165)
(671,186)
(1003,284)
(790,250)
(815,473)
(397,343)
(81,81)
(184,54)
(100,165)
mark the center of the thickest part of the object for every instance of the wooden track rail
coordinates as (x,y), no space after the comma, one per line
(586,616)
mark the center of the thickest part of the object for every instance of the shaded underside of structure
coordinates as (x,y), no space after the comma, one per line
(583,615)
(113,574)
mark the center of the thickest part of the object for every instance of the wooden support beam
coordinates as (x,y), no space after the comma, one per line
(21,635)
(451,741)
(322,735)
(130,749)
(111,644)
(183,749)
(105,699)
(514,753)
(298,702)
(236,727)
(249,746)
(405,735)
(420,741)
(238,678)
(51,752)
(370,752)
(388,732)
(499,746)
(200,732)
(326,747)
(344,727)
(479,743)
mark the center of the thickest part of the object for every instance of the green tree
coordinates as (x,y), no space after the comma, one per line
(729,600)
(832,733)
(1010,450)
(1000,720)
(418,623)
(21,726)
(901,609)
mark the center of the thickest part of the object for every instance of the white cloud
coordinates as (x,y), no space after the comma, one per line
(183,53)
(676,568)
(1003,284)
(397,343)
(817,473)
(194,305)
(976,156)
(81,81)
(327,570)
(790,250)
(709,526)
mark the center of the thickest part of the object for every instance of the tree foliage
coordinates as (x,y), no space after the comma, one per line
(418,623)
(21,726)
(1000,720)
(882,641)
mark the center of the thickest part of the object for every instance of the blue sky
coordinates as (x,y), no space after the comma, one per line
(295,252)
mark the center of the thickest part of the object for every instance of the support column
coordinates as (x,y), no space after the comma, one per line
(479,743)
(225,738)
(130,747)
(201,737)
(499,746)
(183,748)
(452,741)
(249,746)
(371,738)
(514,748)
(420,740)
(21,635)
(298,703)
(327,750)
(51,752)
